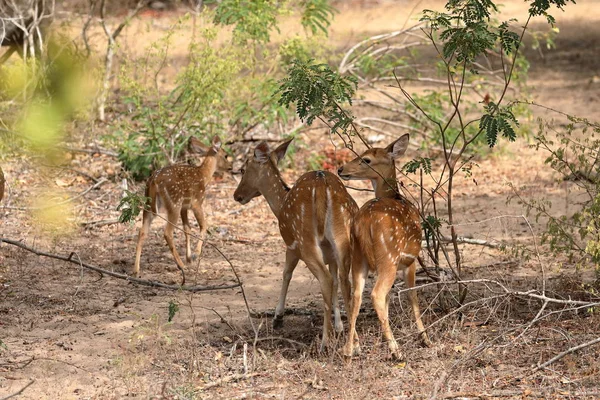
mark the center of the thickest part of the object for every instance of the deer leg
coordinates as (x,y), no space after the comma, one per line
(319,270)
(187,229)
(340,244)
(147,217)
(410,278)
(171,221)
(199,214)
(385,280)
(337,318)
(360,271)
(291,261)
(345,265)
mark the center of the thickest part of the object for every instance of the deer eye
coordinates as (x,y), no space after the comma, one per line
(366,160)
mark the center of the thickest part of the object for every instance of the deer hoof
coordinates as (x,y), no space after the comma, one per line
(425,340)
(278,322)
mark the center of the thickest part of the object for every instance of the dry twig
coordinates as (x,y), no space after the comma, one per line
(564,353)
(19,392)
(118,275)
(110,51)
(227,379)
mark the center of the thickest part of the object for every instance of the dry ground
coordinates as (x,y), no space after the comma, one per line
(82,336)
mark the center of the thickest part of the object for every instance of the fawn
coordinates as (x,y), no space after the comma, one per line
(177,189)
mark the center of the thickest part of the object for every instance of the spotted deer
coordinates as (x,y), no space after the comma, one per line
(314,221)
(177,189)
(386,235)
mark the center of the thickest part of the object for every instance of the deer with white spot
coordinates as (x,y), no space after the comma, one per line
(386,235)
(314,221)
(177,189)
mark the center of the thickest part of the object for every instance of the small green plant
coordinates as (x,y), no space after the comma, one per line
(222,90)
(184,392)
(159,125)
(173,309)
(131,205)
(253,19)
(573,151)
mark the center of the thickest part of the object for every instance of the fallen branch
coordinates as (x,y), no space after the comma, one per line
(118,275)
(227,379)
(358,189)
(515,394)
(84,174)
(243,208)
(89,151)
(223,320)
(564,353)
(504,292)
(239,284)
(465,240)
(96,224)
(274,338)
(19,392)
(508,292)
(288,311)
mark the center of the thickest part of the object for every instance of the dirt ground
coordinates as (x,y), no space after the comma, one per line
(78,335)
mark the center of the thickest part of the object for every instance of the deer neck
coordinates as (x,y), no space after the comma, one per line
(386,185)
(208,166)
(274,189)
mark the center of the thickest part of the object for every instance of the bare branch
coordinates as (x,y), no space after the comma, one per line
(227,379)
(118,275)
(110,51)
(19,392)
(564,353)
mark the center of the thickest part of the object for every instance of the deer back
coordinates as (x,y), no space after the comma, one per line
(177,186)
(316,211)
(388,229)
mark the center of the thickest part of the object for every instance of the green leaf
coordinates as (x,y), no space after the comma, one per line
(317,91)
(423,163)
(317,15)
(131,205)
(173,309)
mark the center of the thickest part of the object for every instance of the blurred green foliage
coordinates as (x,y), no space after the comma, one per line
(40,96)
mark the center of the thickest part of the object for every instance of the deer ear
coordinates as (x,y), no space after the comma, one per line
(196,146)
(261,152)
(398,147)
(216,142)
(279,152)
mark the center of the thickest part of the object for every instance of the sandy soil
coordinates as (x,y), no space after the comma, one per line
(78,335)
